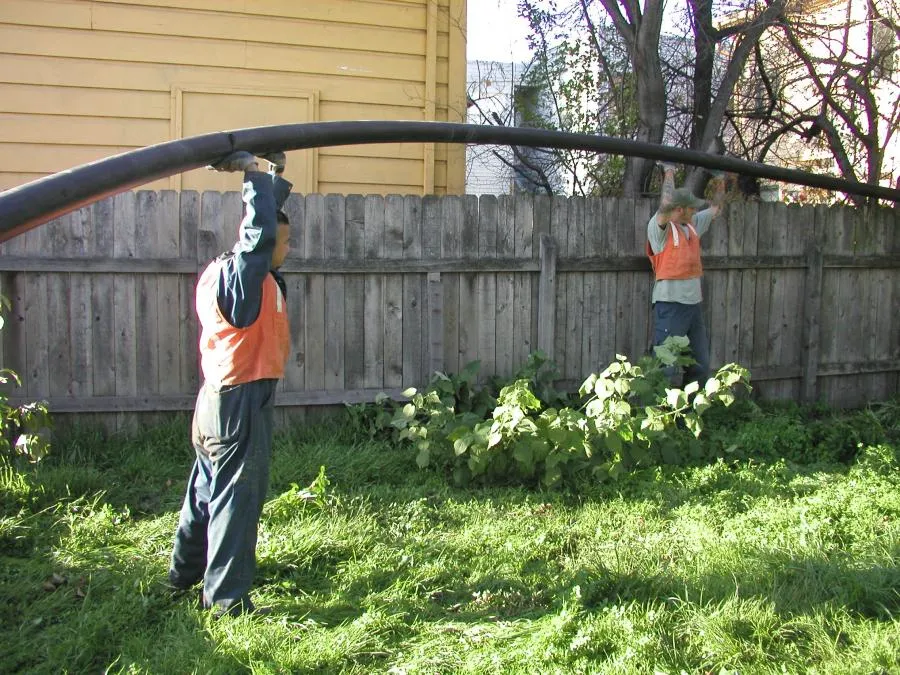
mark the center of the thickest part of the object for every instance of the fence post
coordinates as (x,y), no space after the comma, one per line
(435,324)
(812,307)
(547,297)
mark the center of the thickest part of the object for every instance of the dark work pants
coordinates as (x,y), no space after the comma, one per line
(216,536)
(675,318)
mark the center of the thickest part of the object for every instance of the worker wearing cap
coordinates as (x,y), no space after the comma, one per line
(673,246)
(244,347)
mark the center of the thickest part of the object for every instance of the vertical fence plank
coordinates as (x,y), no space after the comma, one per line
(80,312)
(715,286)
(314,320)
(124,232)
(762,351)
(189,337)
(626,246)
(524,249)
(799,224)
(734,278)
(468,284)
(812,310)
(394,211)
(335,220)
(559,231)
(296,284)
(643,281)
(147,223)
(414,332)
(892,246)
(374,292)
(354,294)
(749,226)
(886,325)
(169,327)
(487,286)
(832,314)
(60,365)
(591,285)
(541,228)
(574,328)
(547,296)
(609,284)
(503,354)
(450,233)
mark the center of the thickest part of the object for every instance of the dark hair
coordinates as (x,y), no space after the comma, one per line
(281,218)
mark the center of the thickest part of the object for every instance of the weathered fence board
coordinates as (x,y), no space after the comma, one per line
(384,290)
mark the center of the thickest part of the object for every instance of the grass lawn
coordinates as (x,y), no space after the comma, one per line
(755,565)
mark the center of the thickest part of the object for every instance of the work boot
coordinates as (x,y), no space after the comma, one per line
(236,161)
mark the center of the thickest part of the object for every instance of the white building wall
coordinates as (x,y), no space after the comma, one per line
(490,86)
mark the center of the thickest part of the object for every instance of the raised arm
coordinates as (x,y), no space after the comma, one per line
(665,194)
(718,199)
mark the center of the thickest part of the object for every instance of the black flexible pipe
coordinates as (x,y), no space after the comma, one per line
(29,205)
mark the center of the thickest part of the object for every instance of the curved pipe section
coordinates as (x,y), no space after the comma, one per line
(32,204)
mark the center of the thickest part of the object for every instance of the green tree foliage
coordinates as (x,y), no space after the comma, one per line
(618,69)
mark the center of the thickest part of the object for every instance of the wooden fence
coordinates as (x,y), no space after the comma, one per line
(385,290)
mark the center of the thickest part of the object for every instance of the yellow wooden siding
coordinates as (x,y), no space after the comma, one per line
(83,79)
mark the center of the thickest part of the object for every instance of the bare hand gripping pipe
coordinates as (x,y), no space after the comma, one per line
(34,203)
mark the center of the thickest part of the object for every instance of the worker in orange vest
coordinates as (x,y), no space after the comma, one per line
(673,246)
(244,346)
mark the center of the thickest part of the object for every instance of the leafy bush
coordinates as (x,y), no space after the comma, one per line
(627,416)
(24,429)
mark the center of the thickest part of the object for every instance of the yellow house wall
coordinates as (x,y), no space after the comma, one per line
(85,79)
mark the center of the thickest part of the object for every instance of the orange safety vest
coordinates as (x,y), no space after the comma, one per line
(678,259)
(230,355)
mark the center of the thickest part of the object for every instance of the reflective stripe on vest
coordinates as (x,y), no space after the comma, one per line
(679,258)
(230,355)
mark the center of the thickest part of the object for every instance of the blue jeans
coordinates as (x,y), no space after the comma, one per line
(216,536)
(675,318)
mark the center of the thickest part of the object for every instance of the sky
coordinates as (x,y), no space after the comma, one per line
(496,32)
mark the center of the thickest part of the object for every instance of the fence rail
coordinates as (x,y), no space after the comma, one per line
(384,290)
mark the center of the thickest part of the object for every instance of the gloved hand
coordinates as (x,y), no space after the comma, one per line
(666,166)
(240,160)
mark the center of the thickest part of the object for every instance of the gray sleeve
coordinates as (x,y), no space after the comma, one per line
(702,220)
(656,235)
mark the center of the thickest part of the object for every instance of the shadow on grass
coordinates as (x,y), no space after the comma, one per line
(792,586)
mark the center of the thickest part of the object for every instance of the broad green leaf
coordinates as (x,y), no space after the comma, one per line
(409,393)
(494,438)
(613,441)
(616,469)
(588,385)
(460,445)
(409,411)
(692,422)
(673,397)
(622,386)
(552,475)
(712,386)
(701,403)
(523,452)
(423,458)
(692,387)
(470,371)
